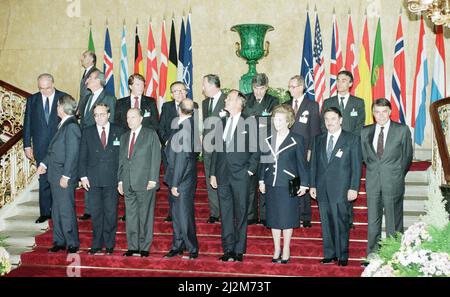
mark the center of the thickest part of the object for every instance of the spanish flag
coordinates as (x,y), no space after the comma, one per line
(172,63)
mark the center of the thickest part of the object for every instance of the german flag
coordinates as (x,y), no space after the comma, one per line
(173,62)
(138,63)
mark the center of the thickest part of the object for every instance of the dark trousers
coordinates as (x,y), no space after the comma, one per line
(233,209)
(65,228)
(183,220)
(335,228)
(104,201)
(140,210)
(45,195)
(165,165)
(213,198)
(305,207)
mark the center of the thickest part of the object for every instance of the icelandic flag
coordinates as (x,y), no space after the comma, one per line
(108,65)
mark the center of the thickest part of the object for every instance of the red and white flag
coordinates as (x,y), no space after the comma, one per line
(163,68)
(151,84)
(350,54)
(319,65)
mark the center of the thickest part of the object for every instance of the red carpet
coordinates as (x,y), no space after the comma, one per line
(306,248)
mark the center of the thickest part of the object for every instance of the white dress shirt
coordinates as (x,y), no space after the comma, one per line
(94,98)
(132,100)
(299,102)
(50,102)
(335,137)
(216,99)
(234,119)
(346,96)
(377,133)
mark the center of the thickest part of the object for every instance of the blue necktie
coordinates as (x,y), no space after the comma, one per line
(47,109)
(330,148)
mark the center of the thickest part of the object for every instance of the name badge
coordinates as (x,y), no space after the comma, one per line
(265,113)
(146,114)
(303,120)
(354,113)
(116,142)
(339,153)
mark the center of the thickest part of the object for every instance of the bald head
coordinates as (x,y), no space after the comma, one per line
(134,118)
(187,107)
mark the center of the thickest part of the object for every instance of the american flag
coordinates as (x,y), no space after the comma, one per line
(319,70)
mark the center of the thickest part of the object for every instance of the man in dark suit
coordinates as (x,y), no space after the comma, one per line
(95,83)
(88,60)
(259,106)
(336,165)
(181,176)
(213,110)
(167,126)
(61,162)
(352,110)
(235,159)
(387,152)
(138,175)
(136,84)
(99,161)
(307,124)
(40,125)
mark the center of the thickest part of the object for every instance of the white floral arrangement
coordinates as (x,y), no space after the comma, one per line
(423,250)
(5,264)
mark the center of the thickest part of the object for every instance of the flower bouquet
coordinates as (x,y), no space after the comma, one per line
(5,265)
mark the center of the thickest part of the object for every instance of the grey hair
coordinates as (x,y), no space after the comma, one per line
(260,80)
(213,79)
(101,77)
(68,104)
(46,75)
(299,79)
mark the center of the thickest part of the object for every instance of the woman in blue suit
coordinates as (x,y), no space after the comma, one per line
(282,160)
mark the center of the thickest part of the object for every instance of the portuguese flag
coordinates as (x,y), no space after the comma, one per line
(378,89)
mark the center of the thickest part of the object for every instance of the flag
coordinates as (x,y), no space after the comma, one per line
(162,68)
(123,76)
(108,65)
(138,63)
(319,69)
(187,56)
(172,63)
(350,56)
(306,69)
(378,89)
(418,110)
(181,52)
(438,81)
(363,89)
(151,84)
(336,58)
(398,93)
(91,42)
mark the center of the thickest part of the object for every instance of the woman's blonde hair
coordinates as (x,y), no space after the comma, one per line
(287,110)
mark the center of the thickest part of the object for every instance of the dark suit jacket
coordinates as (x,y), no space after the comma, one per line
(277,168)
(214,114)
(333,179)
(88,119)
(37,134)
(263,109)
(354,115)
(84,91)
(307,121)
(234,165)
(144,164)
(168,113)
(63,151)
(148,108)
(181,158)
(100,164)
(387,173)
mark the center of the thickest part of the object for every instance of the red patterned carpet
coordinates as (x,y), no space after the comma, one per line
(306,248)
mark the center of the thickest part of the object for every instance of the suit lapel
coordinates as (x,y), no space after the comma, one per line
(287,143)
(41,108)
(390,135)
(341,140)
(371,135)
(138,141)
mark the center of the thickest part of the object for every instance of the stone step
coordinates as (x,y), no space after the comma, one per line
(418,176)
(416,189)
(24,222)
(20,238)
(421,154)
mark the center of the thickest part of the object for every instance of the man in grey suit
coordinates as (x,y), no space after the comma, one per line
(307,124)
(387,152)
(336,166)
(88,60)
(181,176)
(95,82)
(352,110)
(213,111)
(138,175)
(61,163)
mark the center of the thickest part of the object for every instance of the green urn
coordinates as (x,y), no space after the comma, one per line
(251,48)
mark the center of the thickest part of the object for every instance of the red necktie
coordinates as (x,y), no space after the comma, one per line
(136,102)
(295,106)
(103,137)
(133,140)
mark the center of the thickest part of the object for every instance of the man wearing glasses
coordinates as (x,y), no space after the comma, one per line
(307,124)
(99,162)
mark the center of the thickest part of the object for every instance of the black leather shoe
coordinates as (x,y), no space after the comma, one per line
(95,251)
(168,219)
(42,219)
(227,257)
(56,248)
(212,220)
(284,261)
(191,256)
(351,226)
(307,224)
(252,222)
(145,253)
(123,218)
(342,262)
(277,260)
(262,222)
(238,257)
(109,251)
(72,249)
(364,263)
(328,260)
(173,253)
(130,253)
(85,217)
